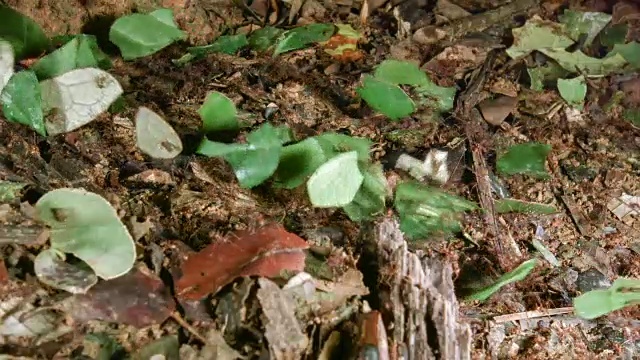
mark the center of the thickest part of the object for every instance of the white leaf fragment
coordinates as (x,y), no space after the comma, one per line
(7,60)
(76,98)
(155,137)
(625,205)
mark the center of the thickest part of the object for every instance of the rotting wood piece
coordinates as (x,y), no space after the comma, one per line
(420,297)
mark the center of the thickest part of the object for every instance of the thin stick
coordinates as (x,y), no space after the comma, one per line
(532,314)
(182,322)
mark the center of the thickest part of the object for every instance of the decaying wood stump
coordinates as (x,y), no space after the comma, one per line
(418,296)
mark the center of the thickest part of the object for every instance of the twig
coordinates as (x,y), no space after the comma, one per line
(182,322)
(532,314)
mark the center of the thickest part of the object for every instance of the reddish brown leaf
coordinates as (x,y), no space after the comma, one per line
(138,298)
(267,252)
(4,274)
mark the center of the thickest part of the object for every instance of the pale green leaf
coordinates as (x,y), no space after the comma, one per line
(370,198)
(10,190)
(573,91)
(334,143)
(25,35)
(623,292)
(139,35)
(80,52)
(86,225)
(401,73)
(336,182)
(577,60)
(537,34)
(517,274)
(629,51)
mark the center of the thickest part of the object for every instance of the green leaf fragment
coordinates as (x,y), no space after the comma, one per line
(577,60)
(254,162)
(25,35)
(86,225)
(537,34)
(386,98)
(623,292)
(299,161)
(262,39)
(22,102)
(334,144)
(514,275)
(630,52)
(80,52)
(424,210)
(579,23)
(401,73)
(139,35)
(503,206)
(632,116)
(226,44)
(526,159)
(301,37)
(438,97)
(218,113)
(336,182)
(370,198)
(573,91)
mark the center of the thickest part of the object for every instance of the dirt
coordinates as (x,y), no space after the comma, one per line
(593,161)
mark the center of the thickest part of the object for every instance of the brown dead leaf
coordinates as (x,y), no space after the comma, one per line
(4,274)
(153,177)
(456,61)
(368,7)
(343,48)
(138,298)
(625,11)
(266,251)
(374,334)
(494,111)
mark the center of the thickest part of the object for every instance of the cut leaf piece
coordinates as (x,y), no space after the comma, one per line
(218,113)
(537,34)
(139,35)
(386,98)
(300,37)
(425,210)
(155,137)
(25,35)
(437,97)
(85,225)
(266,251)
(590,66)
(343,45)
(263,39)
(401,73)
(298,161)
(630,52)
(254,162)
(76,98)
(528,159)
(333,144)
(7,62)
(514,275)
(226,44)
(512,205)
(22,103)
(370,198)
(81,52)
(578,23)
(336,182)
(573,91)
(595,303)
(51,269)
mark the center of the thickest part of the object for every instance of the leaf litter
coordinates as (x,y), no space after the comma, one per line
(552,147)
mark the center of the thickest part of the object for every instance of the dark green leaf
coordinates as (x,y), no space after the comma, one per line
(22,103)
(81,52)
(263,39)
(526,159)
(25,35)
(299,161)
(386,98)
(425,210)
(226,44)
(333,144)
(369,201)
(301,37)
(218,113)
(514,275)
(401,73)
